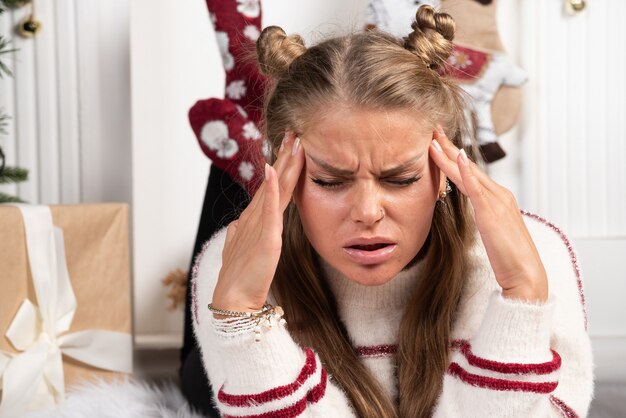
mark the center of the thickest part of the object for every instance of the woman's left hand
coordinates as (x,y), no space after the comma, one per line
(511,251)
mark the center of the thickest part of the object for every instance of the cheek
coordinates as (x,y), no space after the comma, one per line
(315,205)
(414,211)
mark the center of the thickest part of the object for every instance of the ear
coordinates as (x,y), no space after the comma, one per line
(439,176)
(296,196)
(297,192)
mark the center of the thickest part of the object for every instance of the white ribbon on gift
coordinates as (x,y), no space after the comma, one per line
(34,377)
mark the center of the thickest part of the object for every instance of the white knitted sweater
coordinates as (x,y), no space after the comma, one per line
(509,358)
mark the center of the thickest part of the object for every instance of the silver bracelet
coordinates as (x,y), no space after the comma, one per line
(263,310)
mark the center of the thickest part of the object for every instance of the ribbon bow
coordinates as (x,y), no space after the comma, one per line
(34,377)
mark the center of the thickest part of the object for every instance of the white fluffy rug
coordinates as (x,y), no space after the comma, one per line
(121,399)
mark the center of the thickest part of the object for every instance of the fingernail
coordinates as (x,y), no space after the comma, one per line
(282,144)
(464,158)
(296,146)
(267,171)
(436,145)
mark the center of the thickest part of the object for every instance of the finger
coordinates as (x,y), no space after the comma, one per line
(449,167)
(272,216)
(290,173)
(231,230)
(254,205)
(474,189)
(284,155)
(288,167)
(452,151)
(284,152)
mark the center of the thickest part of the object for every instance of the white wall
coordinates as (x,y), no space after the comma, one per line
(174,63)
(573,150)
(70,102)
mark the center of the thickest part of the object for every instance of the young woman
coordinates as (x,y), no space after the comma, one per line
(411,283)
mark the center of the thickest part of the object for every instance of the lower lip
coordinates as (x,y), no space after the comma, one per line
(371,257)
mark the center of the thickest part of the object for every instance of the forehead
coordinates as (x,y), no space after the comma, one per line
(350,137)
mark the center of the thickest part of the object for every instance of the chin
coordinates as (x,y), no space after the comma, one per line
(375,275)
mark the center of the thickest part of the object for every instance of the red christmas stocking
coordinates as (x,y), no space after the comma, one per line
(226,129)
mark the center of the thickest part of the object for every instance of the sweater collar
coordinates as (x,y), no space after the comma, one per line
(396,292)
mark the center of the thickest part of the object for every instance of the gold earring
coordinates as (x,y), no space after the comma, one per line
(447,190)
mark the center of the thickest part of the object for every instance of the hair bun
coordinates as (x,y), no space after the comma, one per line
(431,39)
(276,51)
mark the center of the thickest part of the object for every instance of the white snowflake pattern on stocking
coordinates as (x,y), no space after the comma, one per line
(250,131)
(459,60)
(236,89)
(214,134)
(249,8)
(227,59)
(252,32)
(246,170)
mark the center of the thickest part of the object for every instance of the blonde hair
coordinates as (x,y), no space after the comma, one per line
(372,70)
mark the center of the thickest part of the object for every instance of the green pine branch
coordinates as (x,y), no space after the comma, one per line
(13,175)
(8,174)
(13,3)
(4,122)
(5,198)
(4,49)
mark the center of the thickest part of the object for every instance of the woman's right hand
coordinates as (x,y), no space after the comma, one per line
(253,242)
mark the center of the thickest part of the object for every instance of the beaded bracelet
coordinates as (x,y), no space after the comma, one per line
(231,327)
(241,322)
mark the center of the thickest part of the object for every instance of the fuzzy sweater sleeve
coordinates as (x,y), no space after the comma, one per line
(271,378)
(524,359)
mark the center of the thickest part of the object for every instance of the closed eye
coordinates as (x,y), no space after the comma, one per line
(395,182)
(403,182)
(327,184)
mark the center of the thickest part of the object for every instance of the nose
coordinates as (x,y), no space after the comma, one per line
(367,205)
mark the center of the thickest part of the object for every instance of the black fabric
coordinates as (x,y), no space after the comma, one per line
(224,200)
(492,151)
(195,385)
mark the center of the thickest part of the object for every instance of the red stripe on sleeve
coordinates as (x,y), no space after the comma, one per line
(313,396)
(376,350)
(319,390)
(511,368)
(500,384)
(273,394)
(572,255)
(289,412)
(565,409)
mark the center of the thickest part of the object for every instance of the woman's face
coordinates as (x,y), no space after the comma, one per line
(368,190)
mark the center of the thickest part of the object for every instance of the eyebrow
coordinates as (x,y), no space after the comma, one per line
(385,173)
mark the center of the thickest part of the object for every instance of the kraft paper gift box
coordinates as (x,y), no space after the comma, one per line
(81,327)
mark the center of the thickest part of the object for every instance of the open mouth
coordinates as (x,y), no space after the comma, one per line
(368,254)
(370,247)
